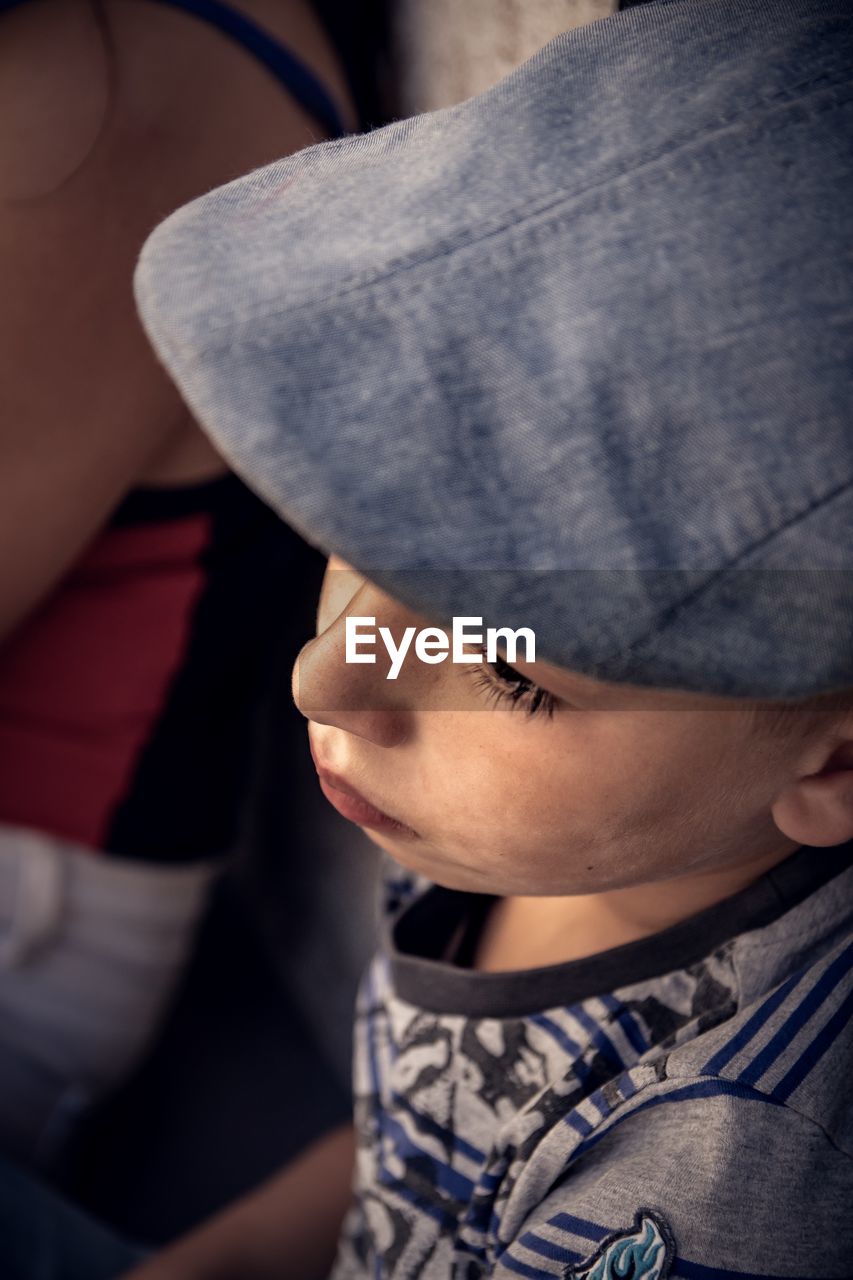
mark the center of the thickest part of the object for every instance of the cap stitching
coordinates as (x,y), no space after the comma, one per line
(515,219)
(671,615)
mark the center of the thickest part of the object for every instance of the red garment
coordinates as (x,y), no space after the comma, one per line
(84,680)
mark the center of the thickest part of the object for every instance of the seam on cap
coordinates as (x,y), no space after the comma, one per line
(674,612)
(755,112)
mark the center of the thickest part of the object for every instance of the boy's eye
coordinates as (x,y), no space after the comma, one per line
(503,683)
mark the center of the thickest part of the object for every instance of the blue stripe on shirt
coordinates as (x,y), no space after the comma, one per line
(815,1051)
(426,1124)
(752,1026)
(794,1023)
(583,1229)
(701,1089)
(442,1175)
(599,1038)
(556,1032)
(627,1022)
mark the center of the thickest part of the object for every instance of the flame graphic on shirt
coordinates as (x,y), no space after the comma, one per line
(644,1253)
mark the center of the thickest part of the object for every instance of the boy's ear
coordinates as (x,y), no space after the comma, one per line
(817,807)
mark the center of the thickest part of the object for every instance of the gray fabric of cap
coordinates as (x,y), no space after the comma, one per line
(573,355)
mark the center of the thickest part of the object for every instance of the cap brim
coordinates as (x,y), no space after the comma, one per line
(590,329)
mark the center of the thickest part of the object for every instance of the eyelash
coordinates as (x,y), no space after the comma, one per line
(504,684)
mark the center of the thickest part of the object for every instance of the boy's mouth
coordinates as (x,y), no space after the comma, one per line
(352,805)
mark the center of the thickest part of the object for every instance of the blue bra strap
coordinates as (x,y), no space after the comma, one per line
(285,66)
(289,70)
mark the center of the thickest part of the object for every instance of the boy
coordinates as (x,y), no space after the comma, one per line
(596,391)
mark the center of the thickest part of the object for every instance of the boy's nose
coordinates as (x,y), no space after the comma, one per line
(355,697)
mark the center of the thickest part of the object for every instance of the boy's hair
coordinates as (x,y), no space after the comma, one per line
(803,718)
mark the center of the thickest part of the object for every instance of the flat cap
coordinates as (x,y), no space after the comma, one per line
(575,354)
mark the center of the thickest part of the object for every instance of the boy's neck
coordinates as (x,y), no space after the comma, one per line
(529,933)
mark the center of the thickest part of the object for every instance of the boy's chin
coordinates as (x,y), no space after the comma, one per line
(439,867)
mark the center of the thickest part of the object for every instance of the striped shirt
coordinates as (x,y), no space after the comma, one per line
(678,1107)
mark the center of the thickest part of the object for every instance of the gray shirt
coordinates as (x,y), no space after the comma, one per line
(676,1107)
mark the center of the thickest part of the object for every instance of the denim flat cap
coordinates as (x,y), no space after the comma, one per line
(574,355)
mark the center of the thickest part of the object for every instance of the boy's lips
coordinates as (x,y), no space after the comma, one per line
(352,805)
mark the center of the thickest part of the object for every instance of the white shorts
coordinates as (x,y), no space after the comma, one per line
(91,948)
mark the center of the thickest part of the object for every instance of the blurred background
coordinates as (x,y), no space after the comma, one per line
(183,918)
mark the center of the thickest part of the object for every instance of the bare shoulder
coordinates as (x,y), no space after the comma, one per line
(53,91)
(198,107)
(150,96)
(121,111)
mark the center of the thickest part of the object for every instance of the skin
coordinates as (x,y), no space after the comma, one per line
(624,812)
(103,148)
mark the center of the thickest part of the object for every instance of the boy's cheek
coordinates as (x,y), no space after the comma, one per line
(547,814)
(494,821)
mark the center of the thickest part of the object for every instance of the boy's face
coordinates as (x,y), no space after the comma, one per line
(617,787)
